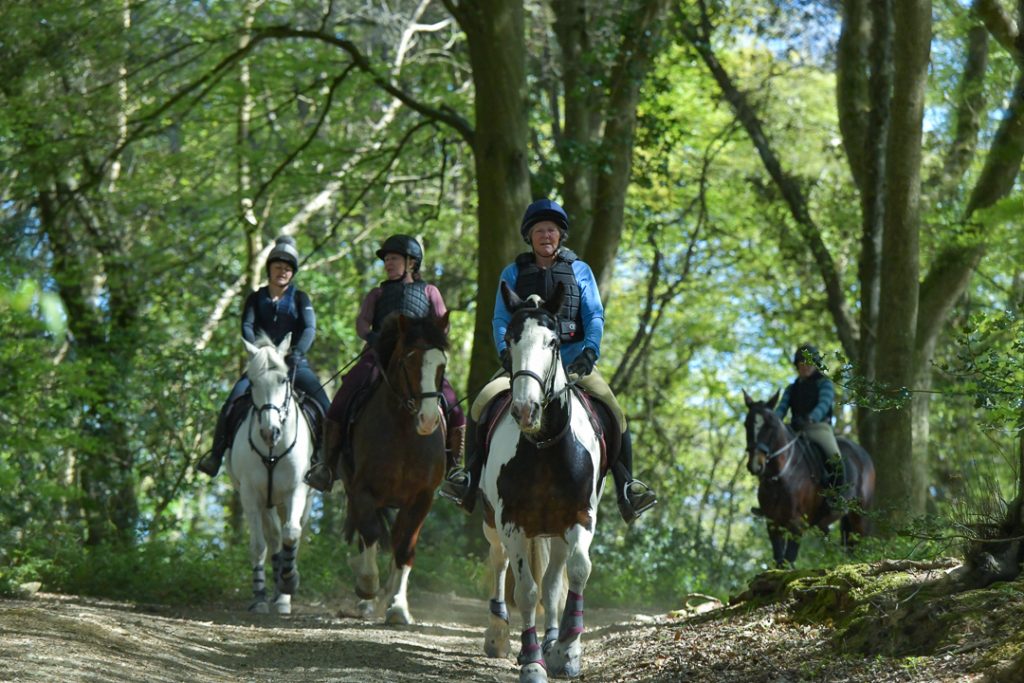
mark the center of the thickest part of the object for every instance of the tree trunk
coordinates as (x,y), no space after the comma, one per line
(497,52)
(901,493)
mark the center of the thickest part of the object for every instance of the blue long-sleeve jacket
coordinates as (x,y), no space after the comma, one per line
(591,309)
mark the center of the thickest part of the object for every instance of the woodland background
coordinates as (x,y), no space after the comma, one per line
(742,176)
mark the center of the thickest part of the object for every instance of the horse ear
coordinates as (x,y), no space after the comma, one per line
(746,399)
(511,299)
(774,399)
(250,347)
(285,344)
(554,304)
(442,322)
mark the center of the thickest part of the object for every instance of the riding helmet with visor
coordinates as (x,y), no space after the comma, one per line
(544,210)
(405,246)
(807,353)
(284,250)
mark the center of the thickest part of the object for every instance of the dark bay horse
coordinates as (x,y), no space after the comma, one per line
(541,484)
(398,457)
(791,492)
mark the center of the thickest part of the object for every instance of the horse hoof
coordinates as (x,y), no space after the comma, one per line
(496,639)
(398,616)
(533,673)
(259,607)
(365,609)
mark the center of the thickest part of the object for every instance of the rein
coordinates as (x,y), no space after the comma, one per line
(773,455)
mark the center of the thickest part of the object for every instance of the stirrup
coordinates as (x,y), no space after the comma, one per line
(455,486)
(637,498)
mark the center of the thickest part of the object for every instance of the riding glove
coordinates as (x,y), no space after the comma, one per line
(584,363)
(799,422)
(294,357)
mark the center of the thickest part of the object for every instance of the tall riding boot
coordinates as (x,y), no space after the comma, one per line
(321,473)
(210,464)
(634,496)
(460,486)
(455,448)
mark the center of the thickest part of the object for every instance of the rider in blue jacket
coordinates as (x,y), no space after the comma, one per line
(275,310)
(544,227)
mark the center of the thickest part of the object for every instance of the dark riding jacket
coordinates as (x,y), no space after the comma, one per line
(293,312)
(810,398)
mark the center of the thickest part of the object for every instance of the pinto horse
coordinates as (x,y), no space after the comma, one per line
(269,455)
(541,484)
(791,491)
(398,458)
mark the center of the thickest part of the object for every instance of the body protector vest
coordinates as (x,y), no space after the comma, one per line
(407,298)
(542,281)
(803,397)
(277,318)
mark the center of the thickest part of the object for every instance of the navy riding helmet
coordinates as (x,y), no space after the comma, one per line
(544,210)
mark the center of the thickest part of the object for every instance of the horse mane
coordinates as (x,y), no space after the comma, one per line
(416,329)
(261,363)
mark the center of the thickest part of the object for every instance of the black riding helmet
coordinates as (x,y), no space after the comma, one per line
(807,353)
(405,246)
(284,250)
(544,210)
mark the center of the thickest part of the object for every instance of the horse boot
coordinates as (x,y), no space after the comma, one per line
(321,473)
(210,464)
(634,496)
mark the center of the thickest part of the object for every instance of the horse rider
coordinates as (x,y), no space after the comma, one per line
(545,226)
(404,291)
(809,400)
(275,310)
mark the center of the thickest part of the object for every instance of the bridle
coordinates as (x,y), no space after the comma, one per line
(270,460)
(410,399)
(548,395)
(771,455)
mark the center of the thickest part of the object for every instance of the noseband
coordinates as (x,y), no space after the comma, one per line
(771,455)
(547,383)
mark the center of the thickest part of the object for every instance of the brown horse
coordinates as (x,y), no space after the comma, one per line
(792,489)
(398,457)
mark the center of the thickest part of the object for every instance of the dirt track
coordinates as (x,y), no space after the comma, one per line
(62,638)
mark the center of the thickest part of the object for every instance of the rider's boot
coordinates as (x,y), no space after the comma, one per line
(321,473)
(460,485)
(455,448)
(210,463)
(634,496)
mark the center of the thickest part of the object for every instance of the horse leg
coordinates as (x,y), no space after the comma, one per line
(564,657)
(792,548)
(257,551)
(404,535)
(778,538)
(496,637)
(272,533)
(290,523)
(531,658)
(364,566)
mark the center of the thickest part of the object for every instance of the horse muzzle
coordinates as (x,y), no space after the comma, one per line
(755,463)
(428,420)
(527,415)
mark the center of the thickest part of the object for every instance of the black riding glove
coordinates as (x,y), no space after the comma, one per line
(584,363)
(799,422)
(506,360)
(295,357)
(372,338)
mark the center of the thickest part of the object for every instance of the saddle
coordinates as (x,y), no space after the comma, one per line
(311,411)
(600,416)
(832,475)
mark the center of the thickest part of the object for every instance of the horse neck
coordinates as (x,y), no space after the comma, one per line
(795,457)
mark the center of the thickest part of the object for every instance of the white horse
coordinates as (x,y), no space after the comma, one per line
(269,455)
(542,482)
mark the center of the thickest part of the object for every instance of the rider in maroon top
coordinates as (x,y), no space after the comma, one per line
(403,292)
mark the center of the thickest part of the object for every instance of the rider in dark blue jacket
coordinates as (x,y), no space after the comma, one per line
(275,310)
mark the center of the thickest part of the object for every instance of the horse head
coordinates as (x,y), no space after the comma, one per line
(271,385)
(764,431)
(417,356)
(533,344)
